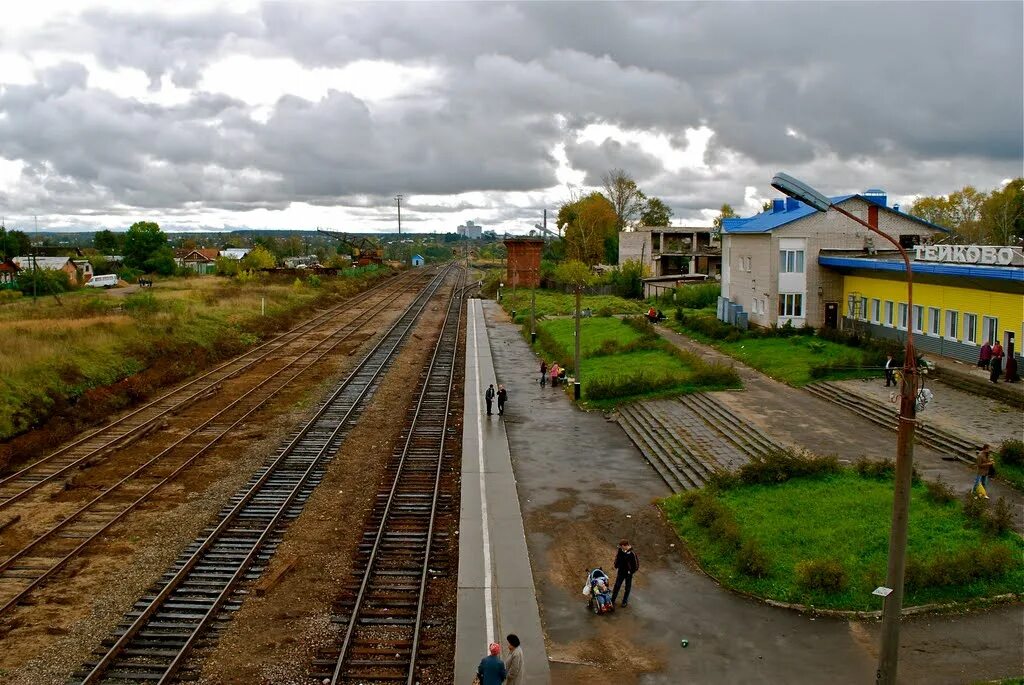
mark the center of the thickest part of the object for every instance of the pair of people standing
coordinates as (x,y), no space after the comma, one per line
(493,671)
(501,395)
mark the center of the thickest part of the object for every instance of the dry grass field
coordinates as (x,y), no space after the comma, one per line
(97,351)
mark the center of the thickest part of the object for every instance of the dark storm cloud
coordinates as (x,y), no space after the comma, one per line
(855,89)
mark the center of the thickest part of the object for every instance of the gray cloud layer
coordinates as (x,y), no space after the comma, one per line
(901,91)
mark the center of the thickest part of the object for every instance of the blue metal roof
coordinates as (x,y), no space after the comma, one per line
(1000,273)
(766,222)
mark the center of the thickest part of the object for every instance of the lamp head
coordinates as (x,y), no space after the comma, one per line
(799,190)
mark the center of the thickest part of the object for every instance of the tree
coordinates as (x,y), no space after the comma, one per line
(108,243)
(625,197)
(576,275)
(656,213)
(960,211)
(726,212)
(142,242)
(591,220)
(1002,214)
(259,257)
(14,243)
(161,262)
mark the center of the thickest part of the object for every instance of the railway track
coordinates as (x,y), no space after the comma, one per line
(50,550)
(688,439)
(940,440)
(155,639)
(131,426)
(383,611)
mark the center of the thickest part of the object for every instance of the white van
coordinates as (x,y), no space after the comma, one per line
(104,281)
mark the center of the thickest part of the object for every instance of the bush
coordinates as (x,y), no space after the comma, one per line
(1000,519)
(605,311)
(698,296)
(726,531)
(717,374)
(939,492)
(9,295)
(1011,453)
(844,363)
(781,465)
(974,508)
(642,383)
(821,574)
(881,470)
(753,561)
(141,303)
(707,510)
(986,562)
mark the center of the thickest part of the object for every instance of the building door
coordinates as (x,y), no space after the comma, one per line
(831,314)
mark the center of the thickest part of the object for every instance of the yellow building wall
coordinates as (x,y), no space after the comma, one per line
(1008,308)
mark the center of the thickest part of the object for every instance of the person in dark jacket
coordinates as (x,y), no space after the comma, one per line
(543,372)
(491,670)
(502,399)
(489,397)
(626,564)
(996,364)
(890,370)
(985,355)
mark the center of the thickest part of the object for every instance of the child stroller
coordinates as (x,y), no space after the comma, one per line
(599,592)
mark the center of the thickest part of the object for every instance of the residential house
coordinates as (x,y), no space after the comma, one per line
(65,264)
(202,260)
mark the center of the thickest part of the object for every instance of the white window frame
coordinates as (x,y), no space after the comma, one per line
(876,310)
(901,316)
(918,318)
(863,309)
(791,261)
(989,329)
(791,305)
(952,319)
(970,328)
(889,313)
(934,321)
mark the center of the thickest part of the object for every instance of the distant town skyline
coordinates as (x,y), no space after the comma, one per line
(236,115)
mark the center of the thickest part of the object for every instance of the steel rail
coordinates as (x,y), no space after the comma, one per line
(294,334)
(112,490)
(178,579)
(385,516)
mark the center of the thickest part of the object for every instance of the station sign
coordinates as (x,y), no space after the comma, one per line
(970,254)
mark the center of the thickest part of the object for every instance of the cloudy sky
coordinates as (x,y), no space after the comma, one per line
(293,115)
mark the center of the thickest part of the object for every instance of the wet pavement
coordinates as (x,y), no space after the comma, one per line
(582,485)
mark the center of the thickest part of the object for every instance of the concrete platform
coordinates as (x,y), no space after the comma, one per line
(495,591)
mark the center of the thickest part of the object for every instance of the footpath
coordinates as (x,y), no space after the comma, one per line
(582,486)
(796,417)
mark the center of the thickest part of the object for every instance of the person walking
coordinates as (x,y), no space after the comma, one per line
(489,397)
(554,374)
(502,399)
(626,564)
(515,664)
(543,372)
(985,464)
(996,364)
(984,355)
(491,670)
(890,370)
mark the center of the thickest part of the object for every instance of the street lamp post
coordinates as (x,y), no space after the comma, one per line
(533,312)
(888,656)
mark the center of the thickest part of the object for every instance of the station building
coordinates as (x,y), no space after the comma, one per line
(795,265)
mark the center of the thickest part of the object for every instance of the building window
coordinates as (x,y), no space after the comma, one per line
(989,329)
(791,261)
(918,318)
(791,304)
(876,310)
(750,266)
(951,321)
(971,328)
(888,312)
(901,316)
(934,321)
(864,308)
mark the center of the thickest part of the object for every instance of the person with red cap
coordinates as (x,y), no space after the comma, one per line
(491,670)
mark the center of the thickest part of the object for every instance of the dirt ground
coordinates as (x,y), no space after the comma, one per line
(274,638)
(45,641)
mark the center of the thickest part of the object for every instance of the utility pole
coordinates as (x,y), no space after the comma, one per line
(35,263)
(398,198)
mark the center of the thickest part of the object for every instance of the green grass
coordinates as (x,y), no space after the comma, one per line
(1011,473)
(787,359)
(613,352)
(554,303)
(844,516)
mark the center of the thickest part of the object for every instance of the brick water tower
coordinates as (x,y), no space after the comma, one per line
(523,262)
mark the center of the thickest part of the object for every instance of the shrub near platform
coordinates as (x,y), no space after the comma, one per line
(822,540)
(1010,462)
